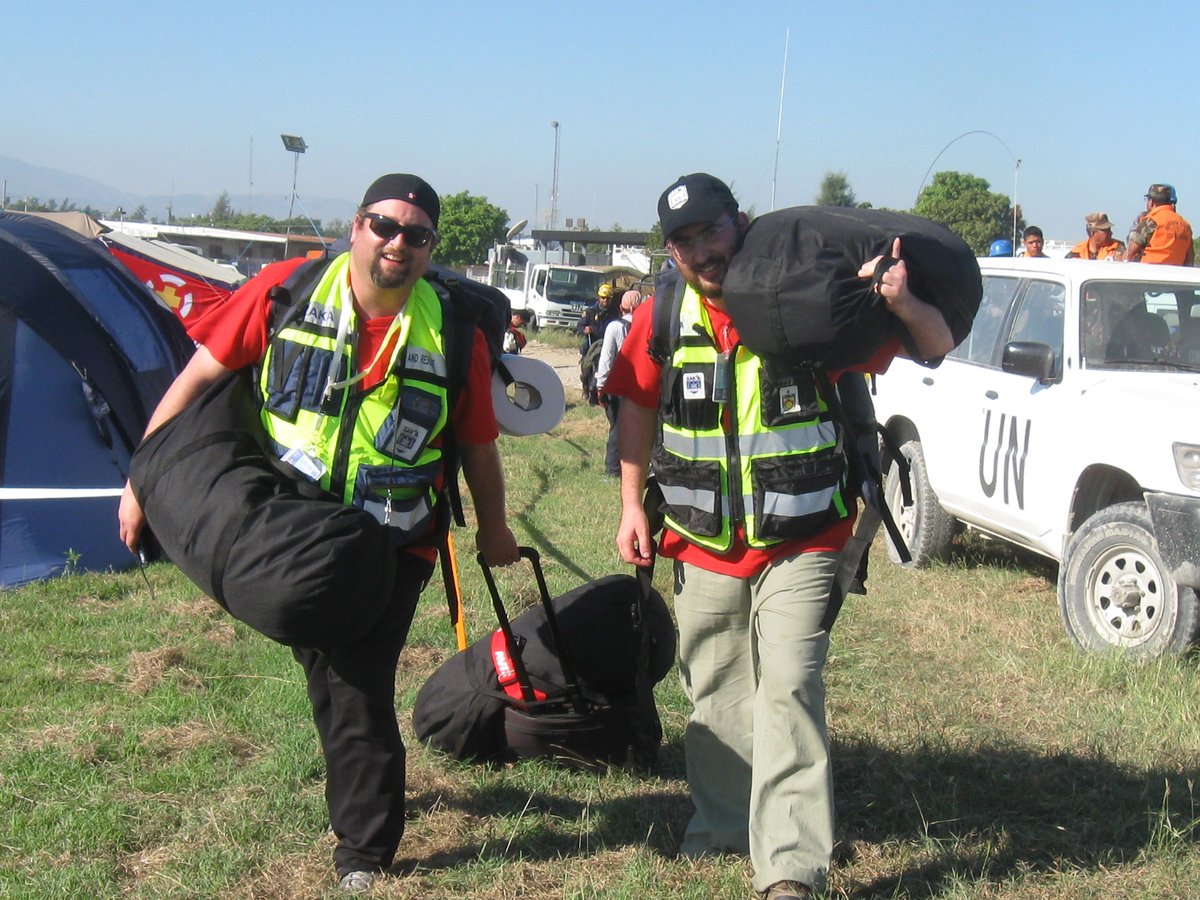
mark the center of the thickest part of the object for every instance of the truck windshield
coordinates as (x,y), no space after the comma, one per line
(567,285)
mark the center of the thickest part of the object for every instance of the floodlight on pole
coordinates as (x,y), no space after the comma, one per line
(1012,156)
(293,144)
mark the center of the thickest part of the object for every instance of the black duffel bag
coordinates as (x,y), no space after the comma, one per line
(280,554)
(578,690)
(794,293)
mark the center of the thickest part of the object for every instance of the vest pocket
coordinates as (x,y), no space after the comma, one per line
(794,496)
(691,492)
(410,425)
(296,378)
(410,516)
(687,393)
(788,395)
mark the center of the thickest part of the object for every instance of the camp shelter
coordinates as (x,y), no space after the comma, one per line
(187,283)
(86,353)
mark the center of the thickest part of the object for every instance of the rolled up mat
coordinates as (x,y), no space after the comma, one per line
(535,401)
(280,554)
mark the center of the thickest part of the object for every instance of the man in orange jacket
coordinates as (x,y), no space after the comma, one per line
(1100,243)
(1161,235)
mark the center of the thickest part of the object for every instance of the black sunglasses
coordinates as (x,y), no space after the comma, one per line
(386,230)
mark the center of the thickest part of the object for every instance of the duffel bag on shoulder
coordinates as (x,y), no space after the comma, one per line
(276,551)
(794,293)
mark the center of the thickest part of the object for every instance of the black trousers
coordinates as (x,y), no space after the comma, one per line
(352,689)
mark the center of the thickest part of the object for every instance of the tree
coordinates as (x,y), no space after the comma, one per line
(468,228)
(655,242)
(966,205)
(140,214)
(222,210)
(835,191)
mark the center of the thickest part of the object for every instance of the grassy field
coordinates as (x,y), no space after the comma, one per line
(151,746)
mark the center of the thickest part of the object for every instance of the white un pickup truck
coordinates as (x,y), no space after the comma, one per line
(1068,423)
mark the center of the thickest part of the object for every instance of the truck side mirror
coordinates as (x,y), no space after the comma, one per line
(1029,358)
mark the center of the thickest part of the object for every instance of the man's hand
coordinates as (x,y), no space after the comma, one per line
(924,322)
(633,536)
(498,545)
(131,519)
(893,284)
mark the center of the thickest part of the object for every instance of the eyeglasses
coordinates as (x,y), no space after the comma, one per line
(685,246)
(386,230)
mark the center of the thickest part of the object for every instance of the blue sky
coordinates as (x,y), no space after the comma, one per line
(192,97)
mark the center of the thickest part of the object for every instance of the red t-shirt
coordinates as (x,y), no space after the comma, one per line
(636,377)
(236,333)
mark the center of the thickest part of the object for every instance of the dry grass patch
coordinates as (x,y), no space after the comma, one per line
(147,668)
(180,739)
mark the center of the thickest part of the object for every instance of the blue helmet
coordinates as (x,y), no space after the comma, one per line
(1001,247)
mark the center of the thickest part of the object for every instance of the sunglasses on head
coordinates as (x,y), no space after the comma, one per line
(386,230)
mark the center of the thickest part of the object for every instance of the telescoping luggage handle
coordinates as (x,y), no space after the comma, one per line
(574,697)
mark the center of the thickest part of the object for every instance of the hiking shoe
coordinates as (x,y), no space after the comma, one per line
(786,890)
(357,882)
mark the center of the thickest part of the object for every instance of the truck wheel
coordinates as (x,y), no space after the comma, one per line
(925,526)
(534,324)
(1115,593)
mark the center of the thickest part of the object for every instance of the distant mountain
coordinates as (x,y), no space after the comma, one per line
(21,179)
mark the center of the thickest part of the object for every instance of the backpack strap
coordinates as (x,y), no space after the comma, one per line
(852,408)
(664,323)
(289,297)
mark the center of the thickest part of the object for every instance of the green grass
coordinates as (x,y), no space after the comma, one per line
(151,746)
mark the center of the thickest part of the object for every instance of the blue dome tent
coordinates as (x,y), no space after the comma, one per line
(85,354)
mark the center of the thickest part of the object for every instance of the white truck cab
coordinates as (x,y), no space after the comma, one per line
(1068,422)
(558,295)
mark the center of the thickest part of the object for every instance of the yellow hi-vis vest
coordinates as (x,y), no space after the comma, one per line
(779,470)
(373,445)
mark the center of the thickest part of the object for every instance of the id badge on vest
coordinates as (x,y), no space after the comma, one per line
(722,377)
(305,463)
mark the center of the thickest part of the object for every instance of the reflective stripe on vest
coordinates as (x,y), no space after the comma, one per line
(780,472)
(373,444)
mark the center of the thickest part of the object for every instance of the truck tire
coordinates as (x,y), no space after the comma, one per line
(1114,591)
(925,526)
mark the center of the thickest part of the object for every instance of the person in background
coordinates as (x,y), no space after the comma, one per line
(1032,242)
(1001,247)
(1099,243)
(751,604)
(514,338)
(614,337)
(377,293)
(1161,235)
(593,321)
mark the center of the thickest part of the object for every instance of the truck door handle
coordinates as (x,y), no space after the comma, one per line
(991,395)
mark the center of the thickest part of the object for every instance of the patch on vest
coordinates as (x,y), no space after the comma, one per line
(410,438)
(693,386)
(789,398)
